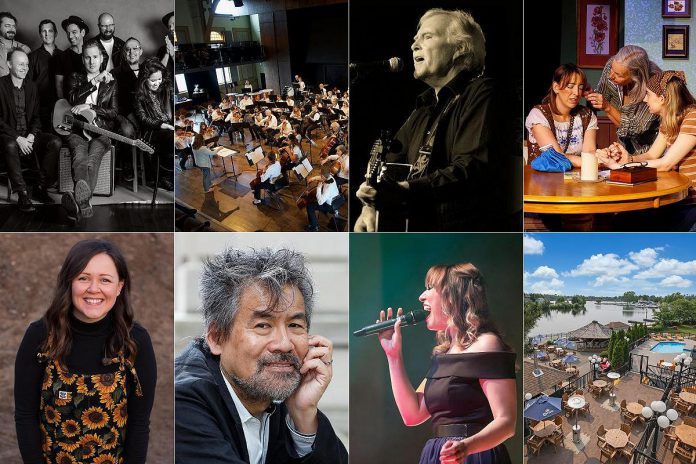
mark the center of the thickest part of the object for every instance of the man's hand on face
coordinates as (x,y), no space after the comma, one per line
(316,372)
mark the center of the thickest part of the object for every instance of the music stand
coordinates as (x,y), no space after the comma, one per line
(254,156)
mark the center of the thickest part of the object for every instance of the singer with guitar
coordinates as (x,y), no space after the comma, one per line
(446,139)
(469,391)
(97,91)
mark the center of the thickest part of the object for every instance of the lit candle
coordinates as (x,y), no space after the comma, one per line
(589,167)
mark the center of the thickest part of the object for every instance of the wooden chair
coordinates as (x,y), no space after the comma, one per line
(626,429)
(623,405)
(534,444)
(558,420)
(689,421)
(607,454)
(627,450)
(670,437)
(556,439)
(641,402)
(683,453)
(533,423)
(682,407)
(628,418)
(601,433)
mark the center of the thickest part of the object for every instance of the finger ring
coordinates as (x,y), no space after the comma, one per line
(328,363)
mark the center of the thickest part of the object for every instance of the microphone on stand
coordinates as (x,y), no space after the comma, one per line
(409,318)
(393,64)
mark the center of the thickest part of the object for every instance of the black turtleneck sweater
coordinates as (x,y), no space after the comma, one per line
(85,358)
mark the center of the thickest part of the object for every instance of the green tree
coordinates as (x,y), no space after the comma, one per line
(630,297)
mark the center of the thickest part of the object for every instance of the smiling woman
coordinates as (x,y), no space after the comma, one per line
(96,367)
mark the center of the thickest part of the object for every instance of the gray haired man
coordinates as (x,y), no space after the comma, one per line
(249,389)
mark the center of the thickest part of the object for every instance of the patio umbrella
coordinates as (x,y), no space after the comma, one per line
(567,344)
(537,339)
(570,359)
(542,408)
(539,355)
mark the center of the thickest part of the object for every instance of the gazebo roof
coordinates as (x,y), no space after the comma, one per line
(592,331)
(546,382)
(617,326)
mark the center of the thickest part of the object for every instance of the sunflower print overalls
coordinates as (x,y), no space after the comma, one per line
(83,417)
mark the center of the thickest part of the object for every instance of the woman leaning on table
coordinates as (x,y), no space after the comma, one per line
(560,121)
(620,93)
(85,373)
(667,97)
(469,391)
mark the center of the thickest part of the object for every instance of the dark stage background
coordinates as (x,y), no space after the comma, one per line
(318,39)
(389,270)
(385,28)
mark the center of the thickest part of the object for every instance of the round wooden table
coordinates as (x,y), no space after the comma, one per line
(686,434)
(688,397)
(600,383)
(616,438)
(579,202)
(544,428)
(635,408)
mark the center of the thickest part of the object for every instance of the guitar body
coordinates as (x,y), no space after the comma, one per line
(66,123)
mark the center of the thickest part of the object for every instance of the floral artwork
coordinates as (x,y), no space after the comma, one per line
(676,8)
(597,42)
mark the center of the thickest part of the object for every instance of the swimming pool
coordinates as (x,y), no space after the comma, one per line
(668,347)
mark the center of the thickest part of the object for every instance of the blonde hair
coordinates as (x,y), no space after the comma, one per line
(463,300)
(464,32)
(678,102)
(636,59)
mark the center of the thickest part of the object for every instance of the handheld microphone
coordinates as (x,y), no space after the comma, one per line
(393,64)
(409,318)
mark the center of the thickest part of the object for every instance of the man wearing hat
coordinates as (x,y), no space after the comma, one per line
(70,60)
(166,51)
(8,30)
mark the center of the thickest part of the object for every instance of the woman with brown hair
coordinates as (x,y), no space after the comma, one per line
(85,373)
(559,121)
(469,391)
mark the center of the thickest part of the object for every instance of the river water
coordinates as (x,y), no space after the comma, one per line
(604,313)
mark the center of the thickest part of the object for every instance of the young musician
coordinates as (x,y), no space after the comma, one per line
(268,177)
(329,199)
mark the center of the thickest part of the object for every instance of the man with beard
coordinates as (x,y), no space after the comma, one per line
(8,30)
(111,46)
(42,70)
(20,131)
(248,391)
(70,60)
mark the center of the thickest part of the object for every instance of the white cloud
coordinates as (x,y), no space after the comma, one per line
(606,269)
(645,257)
(532,246)
(545,272)
(668,267)
(548,286)
(675,281)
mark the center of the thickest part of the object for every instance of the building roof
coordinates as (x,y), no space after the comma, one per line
(617,326)
(592,331)
(543,384)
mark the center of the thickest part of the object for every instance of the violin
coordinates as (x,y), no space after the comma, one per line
(257,180)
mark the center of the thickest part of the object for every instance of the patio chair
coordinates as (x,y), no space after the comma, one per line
(586,408)
(682,407)
(641,402)
(623,405)
(627,450)
(556,439)
(628,418)
(558,420)
(533,423)
(683,453)
(607,453)
(625,428)
(690,421)
(601,432)
(673,397)
(670,437)
(534,444)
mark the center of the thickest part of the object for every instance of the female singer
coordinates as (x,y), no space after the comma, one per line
(621,92)
(469,391)
(668,97)
(85,373)
(559,121)
(154,112)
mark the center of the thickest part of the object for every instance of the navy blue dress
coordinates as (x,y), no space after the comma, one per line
(453,395)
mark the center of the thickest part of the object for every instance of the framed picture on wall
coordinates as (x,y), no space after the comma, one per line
(598,25)
(675,41)
(676,8)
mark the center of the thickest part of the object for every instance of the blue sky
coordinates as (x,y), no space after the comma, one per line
(609,264)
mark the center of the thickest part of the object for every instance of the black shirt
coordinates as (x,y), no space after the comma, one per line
(127,87)
(68,62)
(42,72)
(20,111)
(454,194)
(84,358)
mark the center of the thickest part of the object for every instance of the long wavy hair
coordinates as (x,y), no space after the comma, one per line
(58,343)
(463,300)
(678,101)
(164,92)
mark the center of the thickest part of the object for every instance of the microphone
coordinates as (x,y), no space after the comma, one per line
(393,64)
(410,318)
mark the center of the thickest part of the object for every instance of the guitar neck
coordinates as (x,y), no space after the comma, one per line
(111,135)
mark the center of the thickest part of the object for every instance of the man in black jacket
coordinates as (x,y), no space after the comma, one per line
(93,90)
(248,392)
(20,131)
(110,45)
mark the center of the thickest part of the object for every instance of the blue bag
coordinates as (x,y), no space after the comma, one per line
(551,161)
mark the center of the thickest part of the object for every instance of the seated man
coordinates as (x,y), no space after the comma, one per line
(247,392)
(329,199)
(343,159)
(97,91)
(20,131)
(268,177)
